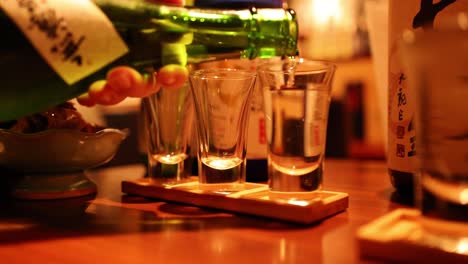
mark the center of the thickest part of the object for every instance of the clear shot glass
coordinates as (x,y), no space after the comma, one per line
(297,94)
(222,105)
(436,63)
(168,124)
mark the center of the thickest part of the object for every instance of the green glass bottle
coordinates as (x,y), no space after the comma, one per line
(152,35)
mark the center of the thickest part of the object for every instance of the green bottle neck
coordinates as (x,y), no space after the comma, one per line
(250,32)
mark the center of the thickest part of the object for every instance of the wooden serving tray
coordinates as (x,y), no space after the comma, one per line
(404,236)
(255,199)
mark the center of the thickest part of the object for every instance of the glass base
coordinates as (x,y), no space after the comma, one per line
(436,207)
(283,182)
(273,195)
(405,236)
(221,188)
(169,174)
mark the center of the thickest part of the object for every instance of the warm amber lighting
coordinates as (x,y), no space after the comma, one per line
(464,197)
(462,20)
(327,27)
(454,193)
(326,11)
(15,226)
(298,202)
(462,246)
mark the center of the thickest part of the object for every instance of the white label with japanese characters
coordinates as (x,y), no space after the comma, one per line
(74,36)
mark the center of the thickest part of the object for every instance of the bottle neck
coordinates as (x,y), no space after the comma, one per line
(262,32)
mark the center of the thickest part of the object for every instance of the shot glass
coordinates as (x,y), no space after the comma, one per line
(168,121)
(436,63)
(297,96)
(222,104)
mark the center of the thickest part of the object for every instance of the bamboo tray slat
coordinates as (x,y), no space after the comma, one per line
(254,200)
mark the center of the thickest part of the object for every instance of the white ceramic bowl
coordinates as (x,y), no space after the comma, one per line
(59,150)
(51,164)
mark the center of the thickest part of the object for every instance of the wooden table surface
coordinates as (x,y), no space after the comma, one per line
(112,227)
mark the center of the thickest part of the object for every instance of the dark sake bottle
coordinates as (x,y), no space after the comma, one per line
(52,51)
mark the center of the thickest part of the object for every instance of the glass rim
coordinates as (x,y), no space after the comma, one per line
(213,73)
(319,66)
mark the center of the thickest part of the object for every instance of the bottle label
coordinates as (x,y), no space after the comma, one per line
(404,15)
(402,133)
(74,37)
(256,140)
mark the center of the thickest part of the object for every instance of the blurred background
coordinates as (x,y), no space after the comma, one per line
(351,33)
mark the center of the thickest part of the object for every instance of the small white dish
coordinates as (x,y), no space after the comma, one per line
(50,164)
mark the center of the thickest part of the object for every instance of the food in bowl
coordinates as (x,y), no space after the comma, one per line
(62,116)
(56,140)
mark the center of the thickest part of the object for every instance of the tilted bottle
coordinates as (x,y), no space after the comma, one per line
(52,51)
(401,131)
